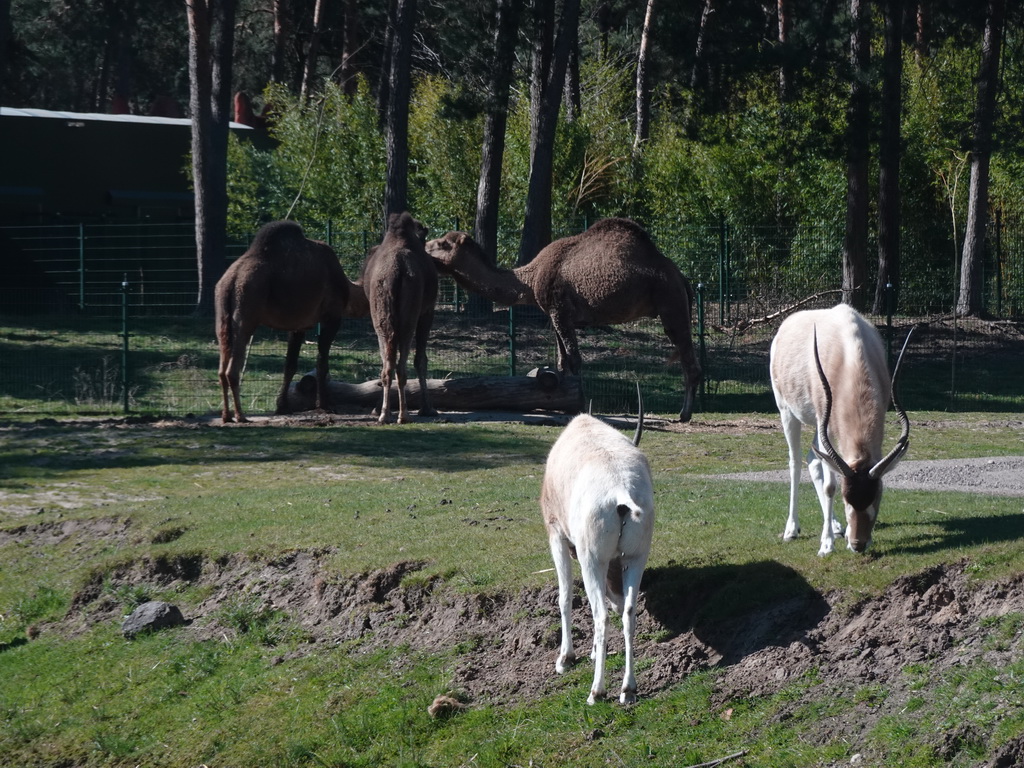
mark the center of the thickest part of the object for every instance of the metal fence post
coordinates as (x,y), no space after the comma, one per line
(511,341)
(723,269)
(701,346)
(999,262)
(124,347)
(888,322)
(81,265)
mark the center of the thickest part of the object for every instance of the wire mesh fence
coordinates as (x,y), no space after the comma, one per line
(98,319)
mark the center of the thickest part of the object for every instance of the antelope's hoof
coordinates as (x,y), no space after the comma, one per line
(628,696)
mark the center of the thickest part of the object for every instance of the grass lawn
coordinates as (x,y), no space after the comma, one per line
(247,683)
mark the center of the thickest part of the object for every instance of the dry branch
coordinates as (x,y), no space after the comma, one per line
(742,325)
(720,760)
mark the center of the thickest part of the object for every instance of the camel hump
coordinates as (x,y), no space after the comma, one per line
(617,224)
(277,237)
(619,230)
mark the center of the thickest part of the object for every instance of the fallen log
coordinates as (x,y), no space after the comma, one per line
(543,389)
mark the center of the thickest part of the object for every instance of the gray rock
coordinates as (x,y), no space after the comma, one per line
(152,616)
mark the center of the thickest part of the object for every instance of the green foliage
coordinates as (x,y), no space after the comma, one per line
(444,156)
(328,164)
(761,167)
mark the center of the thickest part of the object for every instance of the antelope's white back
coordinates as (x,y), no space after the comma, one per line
(829,371)
(598,504)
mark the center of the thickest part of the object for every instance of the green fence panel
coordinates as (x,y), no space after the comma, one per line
(64,319)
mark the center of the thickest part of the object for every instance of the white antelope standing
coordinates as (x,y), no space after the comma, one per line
(598,505)
(829,372)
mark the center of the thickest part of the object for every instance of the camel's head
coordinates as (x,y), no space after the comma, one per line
(403,224)
(447,250)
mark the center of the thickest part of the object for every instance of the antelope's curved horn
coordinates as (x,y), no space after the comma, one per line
(639,416)
(889,462)
(827,451)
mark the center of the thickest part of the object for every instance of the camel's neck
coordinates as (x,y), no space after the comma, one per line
(502,286)
(358,303)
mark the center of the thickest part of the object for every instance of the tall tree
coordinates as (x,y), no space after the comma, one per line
(855,241)
(506,28)
(783,37)
(546,92)
(889,156)
(350,44)
(970,299)
(698,54)
(698,69)
(278,71)
(211,45)
(643,92)
(396,136)
(572,77)
(388,53)
(313,50)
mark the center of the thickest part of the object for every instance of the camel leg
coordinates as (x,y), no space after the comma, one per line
(225,384)
(420,362)
(328,332)
(232,370)
(291,365)
(679,331)
(387,372)
(402,375)
(569,358)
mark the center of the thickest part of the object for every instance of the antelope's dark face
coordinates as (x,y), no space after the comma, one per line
(862,495)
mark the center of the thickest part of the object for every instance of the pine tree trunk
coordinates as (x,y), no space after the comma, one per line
(211,48)
(309,71)
(350,44)
(970,301)
(572,77)
(537,221)
(506,27)
(643,95)
(396,191)
(384,85)
(782,9)
(855,243)
(889,202)
(277,57)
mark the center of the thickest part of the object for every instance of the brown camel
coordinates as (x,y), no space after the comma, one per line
(400,282)
(289,283)
(612,273)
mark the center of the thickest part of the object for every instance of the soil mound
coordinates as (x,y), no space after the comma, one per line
(922,627)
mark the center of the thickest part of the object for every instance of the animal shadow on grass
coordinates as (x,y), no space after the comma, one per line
(735,609)
(958,533)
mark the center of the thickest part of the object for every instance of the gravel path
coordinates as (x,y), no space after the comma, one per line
(995,476)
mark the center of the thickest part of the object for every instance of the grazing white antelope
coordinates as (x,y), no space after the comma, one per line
(598,505)
(829,372)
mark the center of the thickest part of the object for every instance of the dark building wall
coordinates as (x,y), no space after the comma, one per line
(69,167)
